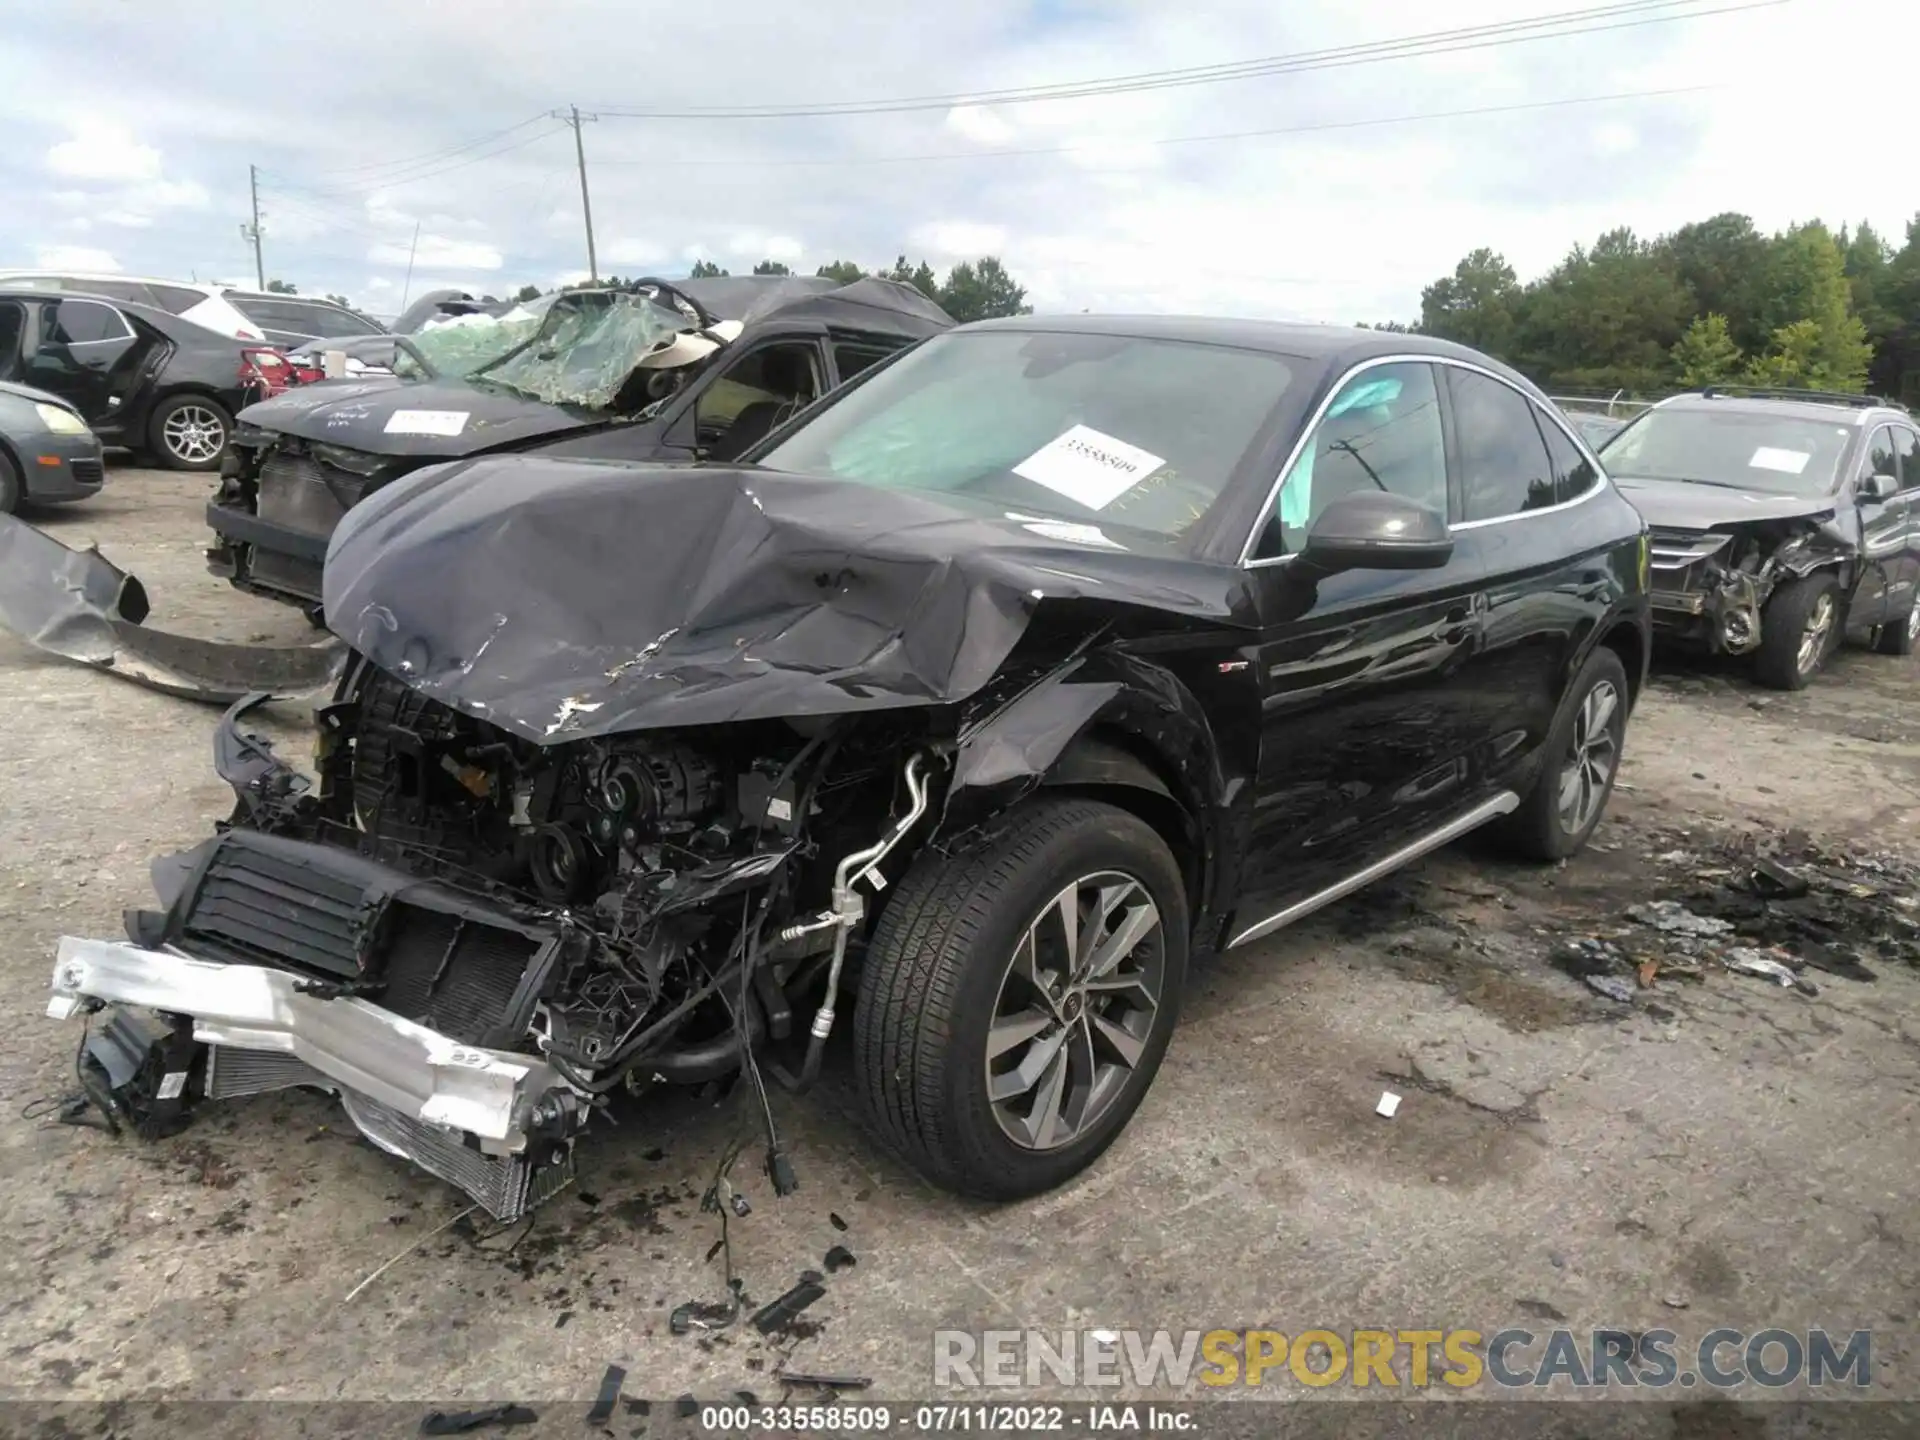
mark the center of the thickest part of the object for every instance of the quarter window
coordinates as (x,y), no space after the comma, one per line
(850,360)
(1572,471)
(1382,432)
(82,322)
(1907,442)
(1503,461)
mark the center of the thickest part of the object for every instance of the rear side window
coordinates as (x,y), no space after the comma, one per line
(1503,461)
(1907,443)
(850,360)
(84,322)
(175,299)
(1572,472)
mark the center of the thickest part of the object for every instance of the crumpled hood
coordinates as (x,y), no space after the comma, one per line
(568,598)
(436,419)
(1681,505)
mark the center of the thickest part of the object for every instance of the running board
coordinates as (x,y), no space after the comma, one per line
(1505,803)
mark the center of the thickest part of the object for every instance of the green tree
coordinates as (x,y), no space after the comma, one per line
(1722,263)
(1605,318)
(1476,305)
(980,290)
(341,301)
(920,276)
(704,270)
(772,267)
(1792,359)
(526,293)
(1706,354)
(280,287)
(1807,280)
(845,271)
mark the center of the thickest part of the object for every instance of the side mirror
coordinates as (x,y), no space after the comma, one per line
(1880,487)
(1377,530)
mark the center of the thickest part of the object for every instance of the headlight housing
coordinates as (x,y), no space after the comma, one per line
(59,420)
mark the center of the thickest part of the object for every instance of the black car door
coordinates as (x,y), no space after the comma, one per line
(1883,532)
(1523,480)
(1367,677)
(1906,582)
(82,346)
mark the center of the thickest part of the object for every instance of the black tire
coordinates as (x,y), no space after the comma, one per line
(199,440)
(1898,637)
(1785,627)
(11,491)
(1540,829)
(933,976)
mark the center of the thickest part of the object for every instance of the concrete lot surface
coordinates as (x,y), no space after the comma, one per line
(1720,1153)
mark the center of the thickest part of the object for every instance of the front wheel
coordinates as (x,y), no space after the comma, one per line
(1798,630)
(1898,637)
(189,432)
(1018,996)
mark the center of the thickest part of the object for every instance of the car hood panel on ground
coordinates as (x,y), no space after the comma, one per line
(442,419)
(1684,505)
(569,598)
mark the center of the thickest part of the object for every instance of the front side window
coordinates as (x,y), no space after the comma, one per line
(1503,461)
(1877,458)
(757,393)
(1907,443)
(1734,449)
(1381,432)
(850,360)
(1572,472)
(85,322)
(1081,427)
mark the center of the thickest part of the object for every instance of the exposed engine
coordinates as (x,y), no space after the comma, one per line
(1711,587)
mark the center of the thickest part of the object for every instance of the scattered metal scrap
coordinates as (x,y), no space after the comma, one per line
(461,1422)
(79,605)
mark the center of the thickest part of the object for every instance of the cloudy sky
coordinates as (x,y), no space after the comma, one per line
(133,126)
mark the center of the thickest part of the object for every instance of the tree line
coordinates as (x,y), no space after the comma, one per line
(972,290)
(1714,302)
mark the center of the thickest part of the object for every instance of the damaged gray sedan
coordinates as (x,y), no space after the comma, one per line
(965,707)
(1782,521)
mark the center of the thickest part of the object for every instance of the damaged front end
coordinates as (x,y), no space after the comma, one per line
(474,940)
(1710,588)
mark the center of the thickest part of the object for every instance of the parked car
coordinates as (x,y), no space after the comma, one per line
(140,377)
(1596,430)
(47,453)
(1782,521)
(994,687)
(692,369)
(204,305)
(291,322)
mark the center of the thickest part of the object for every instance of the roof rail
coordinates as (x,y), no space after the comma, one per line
(1823,397)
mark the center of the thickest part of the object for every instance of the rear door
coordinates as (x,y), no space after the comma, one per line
(1905,581)
(82,344)
(1367,678)
(1883,533)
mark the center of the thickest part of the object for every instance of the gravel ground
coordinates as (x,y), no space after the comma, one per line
(1721,1152)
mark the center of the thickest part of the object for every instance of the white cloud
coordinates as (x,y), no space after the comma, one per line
(75,257)
(126,219)
(960,239)
(1615,138)
(757,247)
(626,250)
(100,150)
(980,124)
(439,252)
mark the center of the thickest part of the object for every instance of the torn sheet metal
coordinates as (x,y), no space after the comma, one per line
(649,596)
(80,605)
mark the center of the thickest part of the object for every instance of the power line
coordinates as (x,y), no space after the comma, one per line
(389,182)
(1563,24)
(440,154)
(784,163)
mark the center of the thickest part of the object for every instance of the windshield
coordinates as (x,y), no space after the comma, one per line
(1738,449)
(1142,433)
(586,349)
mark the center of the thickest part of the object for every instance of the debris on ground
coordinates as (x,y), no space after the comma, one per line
(1774,881)
(1389,1103)
(1612,987)
(1674,918)
(825,1382)
(782,1312)
(609,1396)
(462,1422)
(1744,961)
(839,1258)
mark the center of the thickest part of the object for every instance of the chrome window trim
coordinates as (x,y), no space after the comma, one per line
(1247,560)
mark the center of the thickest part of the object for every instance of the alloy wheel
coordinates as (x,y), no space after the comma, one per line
(1813,639)
(1913,623)
(1590,759)
(1075,1009)
(194,434)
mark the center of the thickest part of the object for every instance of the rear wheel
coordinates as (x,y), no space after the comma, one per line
(189,432)
(1898,637)
(1797,632)
(1018,996)
(1583,757)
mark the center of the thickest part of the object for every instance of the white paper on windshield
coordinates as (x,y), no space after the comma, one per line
(1787,462)
(427,422)
(1088,467)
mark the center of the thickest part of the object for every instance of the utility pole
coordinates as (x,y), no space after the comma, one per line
(412,250)
(252,232)
(572,116)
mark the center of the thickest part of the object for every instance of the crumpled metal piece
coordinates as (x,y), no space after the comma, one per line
(1752,962)
(80,605)
(1674,918)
